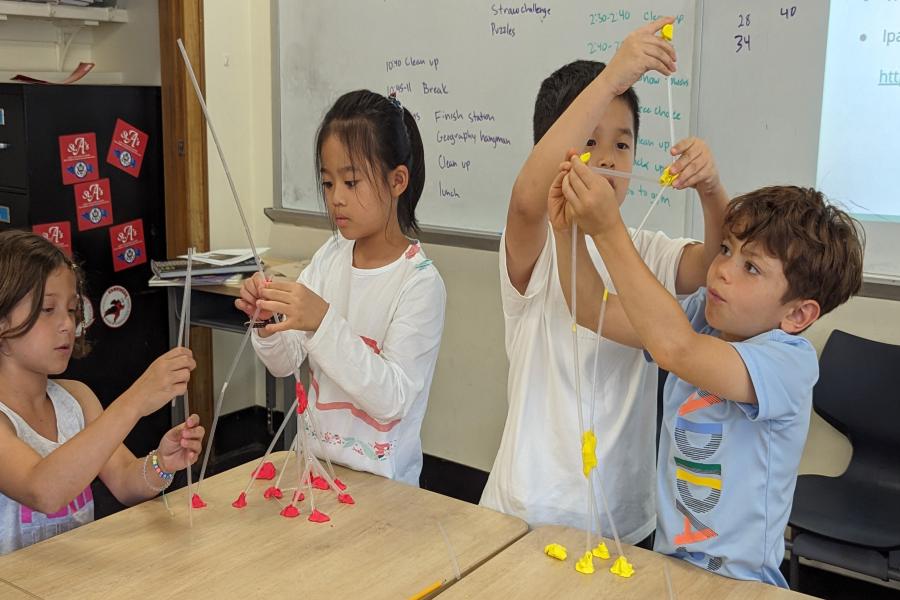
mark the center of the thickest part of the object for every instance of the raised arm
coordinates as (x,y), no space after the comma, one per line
(697,169)
(526,221)
(705,361)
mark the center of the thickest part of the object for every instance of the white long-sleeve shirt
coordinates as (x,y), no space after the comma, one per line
(372,358)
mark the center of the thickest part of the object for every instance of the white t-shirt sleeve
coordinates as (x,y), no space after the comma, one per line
(514,303)
(662,255)
(384,382)
(283,352)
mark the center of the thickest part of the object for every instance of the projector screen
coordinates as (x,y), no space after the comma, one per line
(859,139)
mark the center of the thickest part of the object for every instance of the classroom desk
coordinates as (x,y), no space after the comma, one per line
(524,571)
(10,592)
(213,306)
(387,545)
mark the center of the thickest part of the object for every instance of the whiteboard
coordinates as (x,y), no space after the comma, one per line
(760,106)
(760,96)
(469,70)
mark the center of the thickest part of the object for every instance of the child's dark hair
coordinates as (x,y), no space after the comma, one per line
(820,246)
(26,261)
(379,135)
(563,86)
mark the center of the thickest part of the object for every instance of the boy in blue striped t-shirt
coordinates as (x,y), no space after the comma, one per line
(737,404)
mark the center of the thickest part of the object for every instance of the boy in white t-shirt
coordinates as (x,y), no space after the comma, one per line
(537,472)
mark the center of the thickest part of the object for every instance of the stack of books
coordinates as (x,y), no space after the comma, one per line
(208,268)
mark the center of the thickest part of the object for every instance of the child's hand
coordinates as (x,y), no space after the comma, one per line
(250,293)
(302,308)
(557,208)
(640,52)
(181,446)
(695,167)
(591,199)
(164,379)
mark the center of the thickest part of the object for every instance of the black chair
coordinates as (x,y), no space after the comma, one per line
(853,521)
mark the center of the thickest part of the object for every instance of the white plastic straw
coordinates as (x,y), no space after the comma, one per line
(612,524)
(277,435)
(671,117)
(450,551)
(287,457)
(668,579)
(212,130)
(600,320)
(577,360)
(221,398)
(184,335)
(625,175)
(307,467)
(649,210)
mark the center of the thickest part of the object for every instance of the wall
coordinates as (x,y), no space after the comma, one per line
(125,53)
(467,409)
(132,48)
(30,45)
(229,81)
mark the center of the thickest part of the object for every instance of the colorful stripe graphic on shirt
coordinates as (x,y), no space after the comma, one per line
(699,474)
(698,401)
(713,563)
(697,442)
(713,430)
(695,530)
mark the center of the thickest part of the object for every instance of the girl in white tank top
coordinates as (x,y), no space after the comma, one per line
(22,526)
(55,437)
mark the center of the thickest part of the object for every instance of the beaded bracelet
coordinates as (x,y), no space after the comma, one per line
(153,458)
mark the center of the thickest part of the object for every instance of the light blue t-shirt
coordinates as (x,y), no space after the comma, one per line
(726,470)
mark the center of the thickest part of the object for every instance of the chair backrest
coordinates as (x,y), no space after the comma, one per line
(858,393)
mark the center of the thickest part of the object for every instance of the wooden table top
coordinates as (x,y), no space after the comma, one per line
(9,591)
(387,545)
(524,571)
